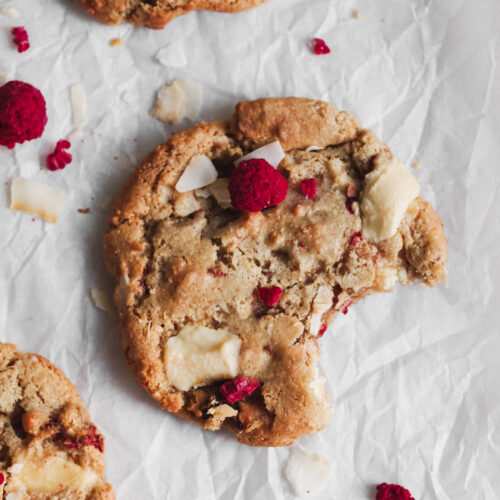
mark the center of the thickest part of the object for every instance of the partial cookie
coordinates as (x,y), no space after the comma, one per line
(221,309)
(49,448)
(157,13)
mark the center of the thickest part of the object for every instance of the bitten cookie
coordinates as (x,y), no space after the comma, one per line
(228,271)
(49,448)
(157,13)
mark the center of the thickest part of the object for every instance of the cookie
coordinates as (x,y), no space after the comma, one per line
(156,14)
(227,276)
(49,448)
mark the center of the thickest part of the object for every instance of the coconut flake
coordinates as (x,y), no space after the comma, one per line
(315,148)
(37,199)
(199,173)
(220,192)
(273,153)
(16,495)
(177,101)
(192,93)
(10,11)
(307,471)
(172,55)
(75,136)
(102,301)
(78,104)
(129,97)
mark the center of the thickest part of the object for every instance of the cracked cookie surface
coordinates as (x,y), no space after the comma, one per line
(49,448)
(190,267)
(157,13)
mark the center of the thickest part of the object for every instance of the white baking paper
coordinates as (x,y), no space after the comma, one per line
(415,374)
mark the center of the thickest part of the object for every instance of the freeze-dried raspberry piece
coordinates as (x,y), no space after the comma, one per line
(319,47)
(92,438)
(322,330)
(215,271)
(238,388)
(23,114)
(392,492)
(254,185)
(269,296)
(59,158)
(356,238)
(21,39)
(308,187)
(349,204)
(345,308)
(2,478)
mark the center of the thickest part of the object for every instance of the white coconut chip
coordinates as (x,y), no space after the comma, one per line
(172,55)
(129,97)
(315,148)
(307,472)
(273,153)
(37,199)
(192,93)
(177,101)
(75,136)
(78,104)
(10,11)
(199,173)
(220,192)
(102,301)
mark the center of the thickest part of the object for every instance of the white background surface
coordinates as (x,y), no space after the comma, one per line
(415,374)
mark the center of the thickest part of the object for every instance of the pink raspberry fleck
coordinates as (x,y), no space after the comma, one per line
(392,492)
(308,187)
(269,296)
(345,309)
(322,330)
(2,478)
(319,47)
(356,238)
(238,388)
(21,39)
(59,158)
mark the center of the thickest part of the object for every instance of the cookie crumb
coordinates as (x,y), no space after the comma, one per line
(83,210)
(416,164)
(116,42)
(357,15)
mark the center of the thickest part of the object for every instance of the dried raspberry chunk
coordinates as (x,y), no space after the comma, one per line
(21,39)
(238,388)
(356,238)
(2,478)
(269,296)
(308,187)
(392,492)
(319,47)
(322,330)
(91,438)
(254,185)
(59,158)
(23,114)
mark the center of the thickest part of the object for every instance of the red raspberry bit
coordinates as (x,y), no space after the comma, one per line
(59,158)
(349,204)
(68,441)
(301,245)
(269,296)
(319,47)
(345,309)
(255,185)
(2,478)
(392,492)
(352,191)
(92,438)
(322,330)
(308,187)
(21,39)
(23,114)
(238,388)
(356,238)
(214,271)
(335,300)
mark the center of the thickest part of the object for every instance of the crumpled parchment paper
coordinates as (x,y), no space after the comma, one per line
(415,374)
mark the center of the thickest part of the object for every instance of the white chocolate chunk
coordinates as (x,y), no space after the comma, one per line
(307,471)
(220,192)
(198,356)
(16,495)
(16,468)
(388,277)
(177,101)
(172,55)
(322,302)
(273,153)
(78,104)
(387,193)
(53,474)
(10,11)
(199,173)
(36,198)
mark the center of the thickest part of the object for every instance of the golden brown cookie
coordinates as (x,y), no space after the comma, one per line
(49,448)
(157,13)
(222,308)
